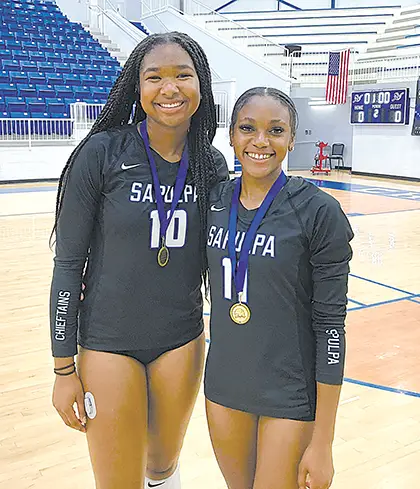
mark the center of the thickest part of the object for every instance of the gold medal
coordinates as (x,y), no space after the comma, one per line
(240,313)
(163,255)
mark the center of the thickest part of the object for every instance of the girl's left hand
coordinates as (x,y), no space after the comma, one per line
(316,469)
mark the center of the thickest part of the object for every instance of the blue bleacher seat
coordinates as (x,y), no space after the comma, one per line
(36,78)
(17,106)
(36,56)
(20,55)
(18,77)
(27,92)
(46,92)
(11,65)
(37,107)
(82,93)
(88,80)
(29,66)
(46,67)
(53,57)
(8,90)
(5,54)
(4,77)
(55,107)
(48,62)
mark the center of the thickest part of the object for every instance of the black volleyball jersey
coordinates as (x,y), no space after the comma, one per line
(108,233)
(296,288)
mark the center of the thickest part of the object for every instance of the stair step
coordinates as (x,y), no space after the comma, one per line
(403,28)
(381,48)
(402,19)
(390,38)
(411,11)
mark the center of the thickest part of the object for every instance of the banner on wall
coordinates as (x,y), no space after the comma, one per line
(416,122)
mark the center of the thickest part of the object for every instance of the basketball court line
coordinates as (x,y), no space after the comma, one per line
(391,301)
(382,387)
(27,214)
(383,285)
(367,189)
(23,190)
(351,187)
(356,302)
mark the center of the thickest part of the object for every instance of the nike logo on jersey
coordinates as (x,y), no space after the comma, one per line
(217,209)
(127,167)
(156,485)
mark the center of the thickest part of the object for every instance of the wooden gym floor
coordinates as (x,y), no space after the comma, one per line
(377,443)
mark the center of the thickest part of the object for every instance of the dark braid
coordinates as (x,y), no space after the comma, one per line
(266,92)
(124,101)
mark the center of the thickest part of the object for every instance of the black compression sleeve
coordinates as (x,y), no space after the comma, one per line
(330,256)
(77,219)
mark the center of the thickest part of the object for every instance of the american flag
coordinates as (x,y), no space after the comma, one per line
(338,77)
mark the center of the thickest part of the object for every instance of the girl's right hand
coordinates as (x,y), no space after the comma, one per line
(67,392)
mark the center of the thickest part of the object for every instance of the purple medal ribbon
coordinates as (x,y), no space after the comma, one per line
(239,268)
(179,182)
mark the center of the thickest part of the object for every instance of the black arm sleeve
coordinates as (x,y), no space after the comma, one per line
(75,224)
(330,256)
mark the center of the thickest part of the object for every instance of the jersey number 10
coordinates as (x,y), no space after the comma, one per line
(176,232)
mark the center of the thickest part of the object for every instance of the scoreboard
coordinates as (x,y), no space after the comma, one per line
(381,107)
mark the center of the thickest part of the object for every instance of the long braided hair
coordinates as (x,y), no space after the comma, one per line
(124,100)
(266,92)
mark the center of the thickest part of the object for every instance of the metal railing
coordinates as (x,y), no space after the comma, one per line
(304,68)
(38,131)
(312,69)
(32,131)
(99,16)
(236,34)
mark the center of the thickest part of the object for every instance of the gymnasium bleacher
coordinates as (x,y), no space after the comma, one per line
(48,62)
(403,33)
(313,29)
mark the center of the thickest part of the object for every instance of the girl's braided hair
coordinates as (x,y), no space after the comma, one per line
(124,101)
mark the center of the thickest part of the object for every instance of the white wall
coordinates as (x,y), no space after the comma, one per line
(42,162)
(47,162)
(383,150)
(76,10)
(320,123)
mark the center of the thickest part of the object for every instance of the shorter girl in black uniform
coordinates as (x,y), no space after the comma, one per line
(279,252)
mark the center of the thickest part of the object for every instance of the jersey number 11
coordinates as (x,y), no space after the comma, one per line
(227,281)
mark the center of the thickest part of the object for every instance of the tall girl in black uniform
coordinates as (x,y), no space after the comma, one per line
(279,252)
(131,224)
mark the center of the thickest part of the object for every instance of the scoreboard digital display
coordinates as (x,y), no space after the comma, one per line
(381,107)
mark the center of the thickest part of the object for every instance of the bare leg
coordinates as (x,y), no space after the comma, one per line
(117,436)
(173,381)
(280,447)
(234,438)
